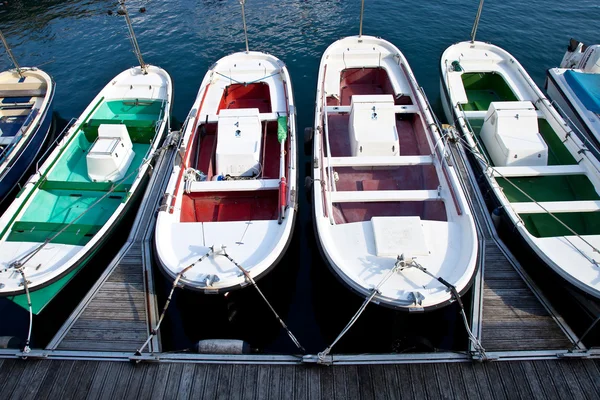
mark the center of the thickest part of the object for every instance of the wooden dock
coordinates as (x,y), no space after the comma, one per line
(67,379)
(510,313)
(119,311)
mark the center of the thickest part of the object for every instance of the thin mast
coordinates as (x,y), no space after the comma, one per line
(10,55)
(244,20)
(476,24)
(362,12)
(134,43)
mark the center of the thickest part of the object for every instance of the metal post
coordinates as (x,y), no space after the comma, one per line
(362,11)
(476,24)
(134,43)
(244,20)
(10,55)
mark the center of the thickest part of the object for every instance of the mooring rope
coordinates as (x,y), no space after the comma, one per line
(154,331)
(397,266)
(253,282)
(400,265)
(28,256)
(26,348)
(454,293)
(477,155)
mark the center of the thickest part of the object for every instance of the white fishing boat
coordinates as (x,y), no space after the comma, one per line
(391,217)
(541,174)
(230,205)
(26,100)
(575,87)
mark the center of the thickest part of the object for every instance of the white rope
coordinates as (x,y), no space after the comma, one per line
(26,348)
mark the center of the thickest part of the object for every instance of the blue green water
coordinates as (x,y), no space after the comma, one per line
(82,47)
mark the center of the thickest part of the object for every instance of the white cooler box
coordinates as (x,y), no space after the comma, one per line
(238,142)
(373,126)
(511,135)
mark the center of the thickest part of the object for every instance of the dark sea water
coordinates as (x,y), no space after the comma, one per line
(82,47)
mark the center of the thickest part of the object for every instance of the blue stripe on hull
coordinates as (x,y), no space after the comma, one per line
(28,155)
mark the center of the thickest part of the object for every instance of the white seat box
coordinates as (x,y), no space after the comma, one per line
(511,135)
(239,142)
(111,154)
(373,126)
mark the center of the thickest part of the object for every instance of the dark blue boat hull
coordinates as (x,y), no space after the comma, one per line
(29,153)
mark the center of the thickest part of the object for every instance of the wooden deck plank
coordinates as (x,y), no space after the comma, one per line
(114,380)
(351,380)
(275,382)
(173,380)
(186,381)
(469,382)
(159,384)
(250,382)
(288,378)
(30,382)
(9,381)
(199,381)
(110,381)
(579,371)
(224,379)
(78,378)
(122,383)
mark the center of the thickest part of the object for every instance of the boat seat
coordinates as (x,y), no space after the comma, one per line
(233,186)
(34,231)
(377,161)
(556,207)
(402,109)
(140,121)
(14,112)
(456,87)
(549,170)
(370,196)
(84,186)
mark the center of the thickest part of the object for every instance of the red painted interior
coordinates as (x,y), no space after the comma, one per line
(229,206)
(254,95)
(232,205)
(413,141)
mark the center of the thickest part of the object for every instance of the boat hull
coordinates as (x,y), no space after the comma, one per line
(206,219)
(488,184)
(73,211)
(374,193)
(37,136)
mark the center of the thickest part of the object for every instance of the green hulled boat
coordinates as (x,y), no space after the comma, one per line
(68,209)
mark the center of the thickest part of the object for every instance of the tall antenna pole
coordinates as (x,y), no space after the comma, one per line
(476,24)
(10,55)
(362,12)
(244,19)
(134,43)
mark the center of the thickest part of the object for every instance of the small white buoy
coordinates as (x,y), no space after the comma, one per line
(496,218)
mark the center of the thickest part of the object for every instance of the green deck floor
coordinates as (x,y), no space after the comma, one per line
(551,188)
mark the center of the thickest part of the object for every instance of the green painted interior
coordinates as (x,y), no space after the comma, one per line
(551,188)
(140,118)
(66,195)
(484,88)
